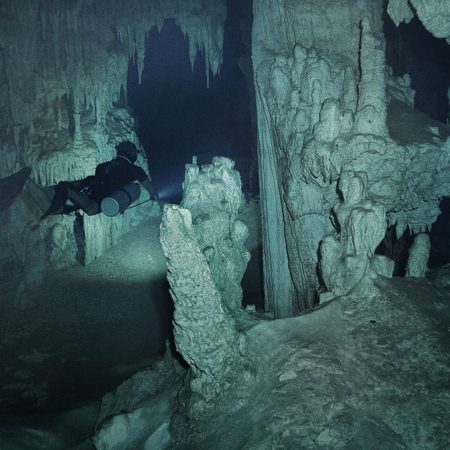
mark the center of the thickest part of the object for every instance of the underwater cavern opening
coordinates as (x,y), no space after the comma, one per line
(181,109)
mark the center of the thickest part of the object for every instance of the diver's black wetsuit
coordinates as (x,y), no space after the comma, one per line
(89,192)
(112,175)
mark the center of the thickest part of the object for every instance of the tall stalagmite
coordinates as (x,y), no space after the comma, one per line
(203,242)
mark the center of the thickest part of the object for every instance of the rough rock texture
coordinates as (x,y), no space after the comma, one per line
(204,331)
(65,63)
(354,374)
(419,253)
(400,11)
(213,195)
(307,96)
(322,109)
(137,413)
(348,261)
(400,88)
(23,252)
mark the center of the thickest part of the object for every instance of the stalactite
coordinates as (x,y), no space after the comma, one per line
(400,11)
(435,15)
(53,49)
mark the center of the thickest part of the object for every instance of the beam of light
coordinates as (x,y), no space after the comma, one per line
(169,192)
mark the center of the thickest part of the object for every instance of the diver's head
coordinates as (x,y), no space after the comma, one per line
(128,150)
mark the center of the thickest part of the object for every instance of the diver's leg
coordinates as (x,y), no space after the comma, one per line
(89,206)
(59,199)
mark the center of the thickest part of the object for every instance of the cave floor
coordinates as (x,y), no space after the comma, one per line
(354,374)
(87,330)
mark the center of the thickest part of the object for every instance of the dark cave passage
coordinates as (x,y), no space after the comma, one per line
(179,116)
(397,249)
(412,49)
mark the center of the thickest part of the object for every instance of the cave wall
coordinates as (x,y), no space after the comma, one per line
(322,102)
(63,78)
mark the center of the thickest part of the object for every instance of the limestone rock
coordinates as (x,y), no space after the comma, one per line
(327,104)
(400,88)
(204,332)
(317,88)
(137,413)
(213,195)
(400,11)
(63,72)
(419,253)
(435,16)
(370,116)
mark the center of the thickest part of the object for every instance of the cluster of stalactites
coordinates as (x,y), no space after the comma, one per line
(75,55)
(202,24)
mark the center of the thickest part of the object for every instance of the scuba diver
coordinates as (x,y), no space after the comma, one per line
(110,190)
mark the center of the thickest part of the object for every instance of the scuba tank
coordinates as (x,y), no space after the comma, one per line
(120,200)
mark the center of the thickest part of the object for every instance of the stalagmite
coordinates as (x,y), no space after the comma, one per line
(203,242)
(370,116)
(419,253)
(348,260)
(213,195)
(204,332)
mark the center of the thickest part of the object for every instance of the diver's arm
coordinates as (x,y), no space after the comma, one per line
(150,189)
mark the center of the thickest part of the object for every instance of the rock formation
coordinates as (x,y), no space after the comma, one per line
(213,195)
(137,413)
(434,14)
(349,261)
(418,256)
(322,110)
(204,332)
(206,259)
